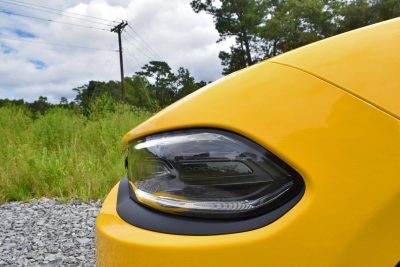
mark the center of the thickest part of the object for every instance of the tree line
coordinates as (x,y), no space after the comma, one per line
(155,86)
(265,28)
(260,29)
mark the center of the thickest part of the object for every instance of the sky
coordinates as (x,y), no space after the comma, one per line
(49,58)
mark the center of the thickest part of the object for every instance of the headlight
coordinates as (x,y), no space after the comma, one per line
(208,173)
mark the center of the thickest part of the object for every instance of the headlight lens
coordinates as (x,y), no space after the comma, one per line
(208,173)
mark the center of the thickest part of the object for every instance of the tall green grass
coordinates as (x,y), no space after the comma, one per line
(63,153)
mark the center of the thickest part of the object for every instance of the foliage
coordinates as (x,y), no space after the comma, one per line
(186,84)
(139,93)
(63,153)
(155,86)
(164,81)
(168,86)
(265,28)
(239,19)
(358,13)
(296,23)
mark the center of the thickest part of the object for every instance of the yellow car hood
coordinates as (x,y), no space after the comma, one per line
(316,115)
(365,62)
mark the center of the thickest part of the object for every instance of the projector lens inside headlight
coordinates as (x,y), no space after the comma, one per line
(208,173)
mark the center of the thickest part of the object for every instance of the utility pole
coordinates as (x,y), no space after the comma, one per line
(118,29)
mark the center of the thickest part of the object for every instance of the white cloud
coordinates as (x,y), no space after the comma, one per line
(177,34)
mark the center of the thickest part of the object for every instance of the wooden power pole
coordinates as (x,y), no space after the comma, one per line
(118,29)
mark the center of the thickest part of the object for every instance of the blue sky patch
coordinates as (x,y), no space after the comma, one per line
(23,34)
(39,65)
(5,49)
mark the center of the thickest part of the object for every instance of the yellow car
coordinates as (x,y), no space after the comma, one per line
(294,161)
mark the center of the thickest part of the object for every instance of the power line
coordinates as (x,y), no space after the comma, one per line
(52,8)
(144,52)
(140,45)
(136,62)
(144,42)
(127,48)
(54,12)
(132,55)
(132,65)
(57,44)
(138,35)
(53,21)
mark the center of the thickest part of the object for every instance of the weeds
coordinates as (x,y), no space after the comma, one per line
(63,153)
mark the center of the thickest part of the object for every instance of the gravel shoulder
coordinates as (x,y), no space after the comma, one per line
(46,232)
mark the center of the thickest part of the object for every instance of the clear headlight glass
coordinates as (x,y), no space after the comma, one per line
(208,173)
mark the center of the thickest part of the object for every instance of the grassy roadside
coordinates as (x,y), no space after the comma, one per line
(63,153)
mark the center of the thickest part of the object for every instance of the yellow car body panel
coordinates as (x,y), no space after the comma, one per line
(346,150)
(365,62)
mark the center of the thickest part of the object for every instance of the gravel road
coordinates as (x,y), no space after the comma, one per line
(46,232)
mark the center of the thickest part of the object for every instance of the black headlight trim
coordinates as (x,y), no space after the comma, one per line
(143,217)
(135,213)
